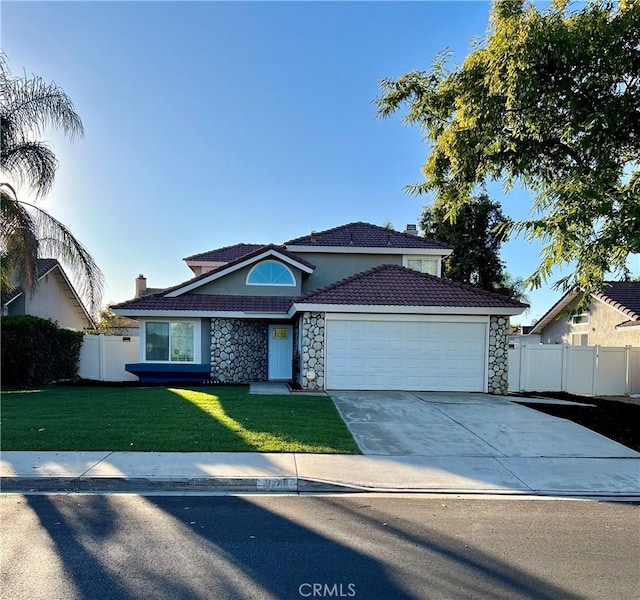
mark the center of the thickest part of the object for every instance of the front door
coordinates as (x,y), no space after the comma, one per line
(280,351)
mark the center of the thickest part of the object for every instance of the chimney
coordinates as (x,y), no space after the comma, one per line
(141,285)
(411,229)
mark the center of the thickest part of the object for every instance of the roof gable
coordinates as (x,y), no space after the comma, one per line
(393,285)
(623,296)
(365,235)
(44,266)
(263,252)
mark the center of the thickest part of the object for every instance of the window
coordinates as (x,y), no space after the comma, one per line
(423,265)
(171,342)
(580,319)
(270,272)
(580,339)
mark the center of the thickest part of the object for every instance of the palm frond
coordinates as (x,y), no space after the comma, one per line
(32,164)
(19,242)
(28,106)
(31,105)
(57,241)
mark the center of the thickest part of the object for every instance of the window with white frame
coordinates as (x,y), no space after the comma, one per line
(270,272)
(423,265)
(580,319)
(167,341)
(579,339)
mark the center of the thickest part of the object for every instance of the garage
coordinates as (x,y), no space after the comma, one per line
(384,352)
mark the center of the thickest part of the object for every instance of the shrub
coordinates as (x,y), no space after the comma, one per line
(36,351)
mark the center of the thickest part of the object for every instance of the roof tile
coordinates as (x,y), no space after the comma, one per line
(226,254)
(393,285)
(366,235)
(202,302)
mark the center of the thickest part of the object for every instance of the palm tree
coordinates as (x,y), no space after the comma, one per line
(28,106)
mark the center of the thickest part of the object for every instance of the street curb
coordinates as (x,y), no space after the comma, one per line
(273,485)
(261,485)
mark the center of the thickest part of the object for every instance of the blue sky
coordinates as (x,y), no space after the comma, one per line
(212,123)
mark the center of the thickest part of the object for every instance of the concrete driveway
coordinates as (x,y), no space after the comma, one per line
(464,424)
(457,441)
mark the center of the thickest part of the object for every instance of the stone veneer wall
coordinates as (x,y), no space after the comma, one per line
(312,354)
(238,351)
(498,355)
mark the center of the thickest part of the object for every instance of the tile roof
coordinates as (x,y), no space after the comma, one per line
(203,302)
(629,323)
(226,254)
(624,296)
(366,235)
(394,285)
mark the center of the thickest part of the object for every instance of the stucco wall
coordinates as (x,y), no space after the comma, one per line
(332,267)
(600,328)
(235,285)
(52,300)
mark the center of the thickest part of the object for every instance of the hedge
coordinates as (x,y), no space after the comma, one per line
(36,351)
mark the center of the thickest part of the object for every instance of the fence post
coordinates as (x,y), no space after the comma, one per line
(101,357)
(627,370)
(564,367)
(596,362)
(523,368)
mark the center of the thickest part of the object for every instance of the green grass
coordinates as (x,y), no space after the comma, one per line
(207,419)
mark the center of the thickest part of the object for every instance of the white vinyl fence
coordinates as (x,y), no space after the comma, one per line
(583,370)
(103,357)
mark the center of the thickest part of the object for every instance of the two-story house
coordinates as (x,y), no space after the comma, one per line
(354,307)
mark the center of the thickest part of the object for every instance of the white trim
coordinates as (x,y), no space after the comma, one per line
(370,250)
(213,264)
(422,318)
(176,314)
(264,262)
(197,341)
(407,257)
(250,261)
(386,309)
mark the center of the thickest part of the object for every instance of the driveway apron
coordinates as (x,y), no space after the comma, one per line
(465,425)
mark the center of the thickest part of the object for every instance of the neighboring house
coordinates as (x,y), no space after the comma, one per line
(521,334)
(54,298)
(354,307)
(612,319)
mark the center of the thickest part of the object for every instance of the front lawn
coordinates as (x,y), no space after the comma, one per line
(162,419)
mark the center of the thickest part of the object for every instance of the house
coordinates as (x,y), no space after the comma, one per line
(354,307)
(612,319)
(54,298)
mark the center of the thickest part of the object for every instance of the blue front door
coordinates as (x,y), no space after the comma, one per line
(280,351)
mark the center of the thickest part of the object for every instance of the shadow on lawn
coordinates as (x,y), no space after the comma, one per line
(170,419)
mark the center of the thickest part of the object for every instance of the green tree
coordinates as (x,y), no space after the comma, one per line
(549,100)
(28,106)
(111,324)
(475,241)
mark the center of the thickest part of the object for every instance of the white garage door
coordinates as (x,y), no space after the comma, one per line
(405,355)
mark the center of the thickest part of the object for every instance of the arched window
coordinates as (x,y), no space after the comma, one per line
(270,272)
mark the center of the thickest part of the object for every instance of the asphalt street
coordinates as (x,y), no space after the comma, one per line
(126,546)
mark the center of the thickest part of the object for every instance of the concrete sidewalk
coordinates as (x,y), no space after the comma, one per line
(140,472)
